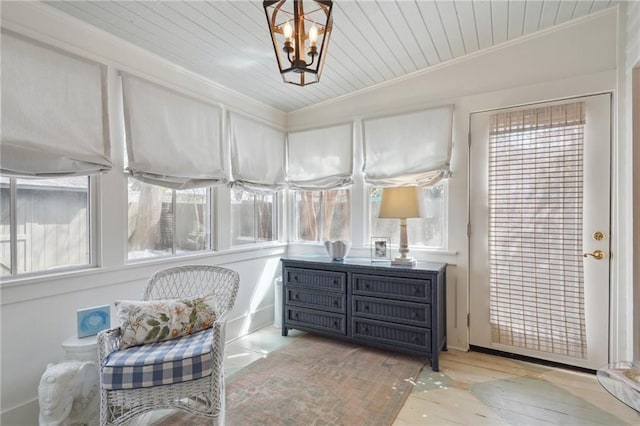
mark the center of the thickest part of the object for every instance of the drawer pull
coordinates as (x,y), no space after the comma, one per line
(295,296)
(295,315)
(366,308)
(414,339)
(335,323)
(417,290)
(365,330)
(336,302)
(414,315)
(367,287)
(335,281)
(295,278)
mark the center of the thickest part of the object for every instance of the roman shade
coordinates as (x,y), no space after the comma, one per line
(173,139)
(258,154)
(320,159)
(408,149)
(54,115)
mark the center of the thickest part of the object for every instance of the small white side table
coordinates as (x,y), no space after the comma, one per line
(85,349)
(69,392)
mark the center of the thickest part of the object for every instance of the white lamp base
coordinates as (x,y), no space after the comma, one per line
(404,261)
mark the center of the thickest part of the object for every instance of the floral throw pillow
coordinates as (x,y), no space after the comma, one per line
(151,321)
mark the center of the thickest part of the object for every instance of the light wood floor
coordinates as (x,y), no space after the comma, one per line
(479,389)
(471,389)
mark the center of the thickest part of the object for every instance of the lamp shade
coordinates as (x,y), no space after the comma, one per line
(400,203)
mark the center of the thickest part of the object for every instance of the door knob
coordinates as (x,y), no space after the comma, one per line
(597,254)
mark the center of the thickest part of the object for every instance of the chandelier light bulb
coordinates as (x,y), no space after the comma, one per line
(288,31)
(313,35)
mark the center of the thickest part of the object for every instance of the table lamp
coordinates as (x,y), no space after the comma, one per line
(401,203)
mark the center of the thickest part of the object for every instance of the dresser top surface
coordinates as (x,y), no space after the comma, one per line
(324,260)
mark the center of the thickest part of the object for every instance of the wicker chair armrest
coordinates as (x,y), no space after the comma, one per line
(222,316)
(108,342)
(221,322)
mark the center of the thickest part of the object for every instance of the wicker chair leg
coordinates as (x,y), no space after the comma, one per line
(103,408)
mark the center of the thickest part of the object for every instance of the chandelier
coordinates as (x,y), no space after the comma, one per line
(300,32)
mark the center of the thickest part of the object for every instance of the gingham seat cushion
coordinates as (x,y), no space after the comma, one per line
(162,363)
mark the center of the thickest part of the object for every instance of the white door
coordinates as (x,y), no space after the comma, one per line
(539,230)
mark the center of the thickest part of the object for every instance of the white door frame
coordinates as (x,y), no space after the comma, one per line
(587,246)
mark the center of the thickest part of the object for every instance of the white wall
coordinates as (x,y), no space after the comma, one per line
(632,44)
(38,314)
(570,60)
(631,77)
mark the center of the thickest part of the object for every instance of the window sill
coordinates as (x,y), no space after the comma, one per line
(20,289)
(421,254)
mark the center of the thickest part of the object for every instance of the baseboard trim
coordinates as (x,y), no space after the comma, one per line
(249,322)
(533,360)
(25,414)
(456,348)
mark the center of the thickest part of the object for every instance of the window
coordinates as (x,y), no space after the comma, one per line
(52,223)
(428,231)
(164,221)
(253,217)
(322,215)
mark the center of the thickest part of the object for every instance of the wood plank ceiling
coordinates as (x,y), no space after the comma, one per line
(373,41)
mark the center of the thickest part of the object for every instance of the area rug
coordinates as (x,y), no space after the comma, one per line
(318,381)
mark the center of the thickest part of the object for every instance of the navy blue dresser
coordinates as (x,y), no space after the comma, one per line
(390,307)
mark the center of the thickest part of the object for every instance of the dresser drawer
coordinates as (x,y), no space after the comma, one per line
(417,290)
(412,313)
(318,320)
(395,335)
(319,279)
(300,296)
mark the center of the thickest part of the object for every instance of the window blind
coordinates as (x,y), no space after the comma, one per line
(320,159)
(408,149)
(535,229)
(54,115)
(173,140)
(257,154)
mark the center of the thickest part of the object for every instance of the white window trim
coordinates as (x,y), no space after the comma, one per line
(94,218)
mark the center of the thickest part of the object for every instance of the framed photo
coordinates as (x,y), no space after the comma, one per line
(380,249)
(93,320)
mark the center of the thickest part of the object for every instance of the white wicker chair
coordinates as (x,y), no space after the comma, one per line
(203,396)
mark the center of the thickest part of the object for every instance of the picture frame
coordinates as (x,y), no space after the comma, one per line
(93,320)
(380,249)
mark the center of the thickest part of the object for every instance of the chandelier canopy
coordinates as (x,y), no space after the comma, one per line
(300,32)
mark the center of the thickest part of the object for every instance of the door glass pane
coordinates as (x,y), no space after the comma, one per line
(52,223)
(151,218)
(535,229)
(192,220)
(5,225)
